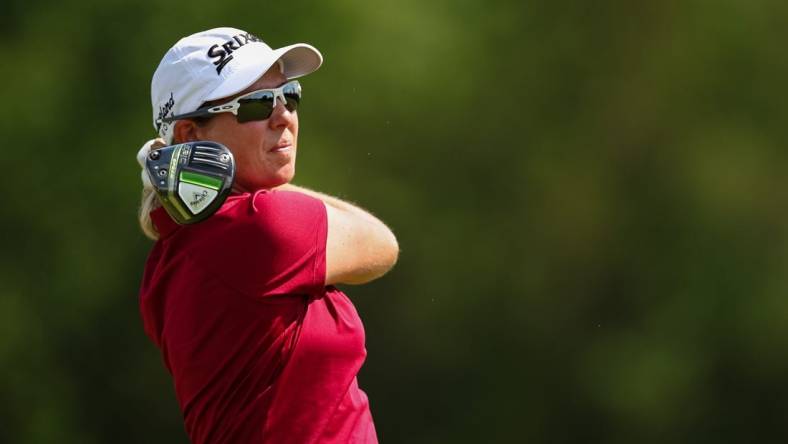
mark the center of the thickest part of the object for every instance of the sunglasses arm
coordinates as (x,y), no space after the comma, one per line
(204,112)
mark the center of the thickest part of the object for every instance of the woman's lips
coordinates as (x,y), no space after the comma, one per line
(280,148)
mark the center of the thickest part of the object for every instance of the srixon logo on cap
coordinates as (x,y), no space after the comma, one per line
(224,51)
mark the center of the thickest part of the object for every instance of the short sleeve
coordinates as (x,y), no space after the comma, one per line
(270,243)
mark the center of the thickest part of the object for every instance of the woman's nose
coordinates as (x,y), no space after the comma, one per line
(280,116)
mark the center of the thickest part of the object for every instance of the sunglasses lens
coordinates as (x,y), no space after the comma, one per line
(259,105)
(255,108)
(292,101)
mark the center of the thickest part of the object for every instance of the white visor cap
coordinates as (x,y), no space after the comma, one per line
(218,63)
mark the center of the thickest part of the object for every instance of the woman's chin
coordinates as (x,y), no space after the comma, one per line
(284,175)
(279,178)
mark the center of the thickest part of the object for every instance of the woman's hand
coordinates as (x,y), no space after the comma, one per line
(158,143)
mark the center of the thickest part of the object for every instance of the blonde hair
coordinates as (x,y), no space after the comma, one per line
(150,201)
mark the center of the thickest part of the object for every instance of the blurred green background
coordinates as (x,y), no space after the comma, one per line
(590,198)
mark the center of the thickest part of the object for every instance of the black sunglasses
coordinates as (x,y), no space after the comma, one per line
(256,105)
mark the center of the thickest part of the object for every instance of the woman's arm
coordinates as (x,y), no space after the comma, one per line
(360,248)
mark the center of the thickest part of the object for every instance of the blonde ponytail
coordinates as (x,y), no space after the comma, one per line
(149,203)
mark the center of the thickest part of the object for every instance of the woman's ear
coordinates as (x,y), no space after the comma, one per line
(184,131)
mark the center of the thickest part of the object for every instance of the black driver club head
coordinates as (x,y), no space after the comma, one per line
(191,179)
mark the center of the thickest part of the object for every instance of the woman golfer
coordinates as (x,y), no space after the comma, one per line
(260,345)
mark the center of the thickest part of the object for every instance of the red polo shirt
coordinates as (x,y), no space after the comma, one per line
(258,348)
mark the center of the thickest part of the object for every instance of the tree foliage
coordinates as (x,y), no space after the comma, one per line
(588,195)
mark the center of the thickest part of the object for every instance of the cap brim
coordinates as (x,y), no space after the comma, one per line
(298,60)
